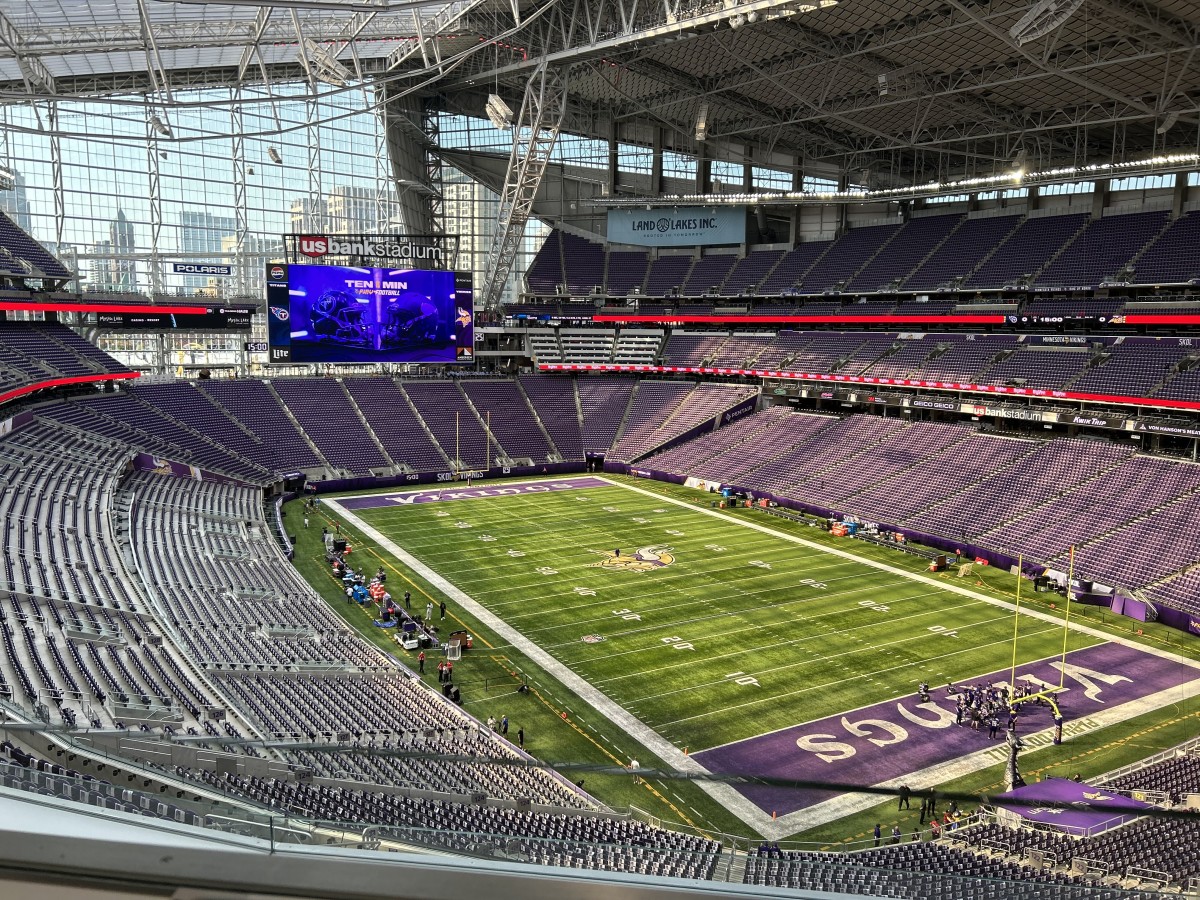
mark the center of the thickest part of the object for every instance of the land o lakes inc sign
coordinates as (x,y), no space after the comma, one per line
(677,226)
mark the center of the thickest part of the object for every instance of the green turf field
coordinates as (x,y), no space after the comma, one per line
(739,634)
(677,640)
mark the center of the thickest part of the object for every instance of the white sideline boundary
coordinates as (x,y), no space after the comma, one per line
(836,807)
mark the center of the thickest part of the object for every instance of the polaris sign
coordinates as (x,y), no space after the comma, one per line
(202,269)
(677,226)
(316,246)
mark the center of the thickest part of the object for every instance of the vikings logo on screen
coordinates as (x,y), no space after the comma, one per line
(645,559)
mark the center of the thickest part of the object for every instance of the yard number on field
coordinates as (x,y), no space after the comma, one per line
(678,643)
(743,679)
(628,615)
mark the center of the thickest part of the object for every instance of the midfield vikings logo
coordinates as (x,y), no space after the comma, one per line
(645,559)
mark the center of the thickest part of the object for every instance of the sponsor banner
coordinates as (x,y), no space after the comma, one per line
(1093,421)
(151,318)
(1153,427)
(1063,339)
(925,403)
(898,738)
(370,246)
(961,387)
(219,270)
(677,226)
(1008,412)
(456,492)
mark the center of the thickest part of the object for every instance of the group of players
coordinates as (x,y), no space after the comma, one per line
(984,706)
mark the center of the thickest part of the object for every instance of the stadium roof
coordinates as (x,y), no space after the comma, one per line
(902,91)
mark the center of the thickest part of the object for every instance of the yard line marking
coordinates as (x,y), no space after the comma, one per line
(791,620)
(796,642)
(642,733)
(774,697)
(777,643)
(912,576)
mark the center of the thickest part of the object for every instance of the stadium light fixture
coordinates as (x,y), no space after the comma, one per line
(1169,122)
(1019,162)
(274,155)
(323,64)
(499,112)
(702,123)
(159,126)
(1043,17)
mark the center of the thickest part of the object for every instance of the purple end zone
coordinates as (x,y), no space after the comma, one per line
(451,492)
(902,736)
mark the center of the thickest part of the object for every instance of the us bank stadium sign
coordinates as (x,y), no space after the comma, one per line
(677,226)
(428,251)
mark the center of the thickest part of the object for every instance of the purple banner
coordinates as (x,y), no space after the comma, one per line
(144,462)
(462,492)
(1070,806)
(903,736)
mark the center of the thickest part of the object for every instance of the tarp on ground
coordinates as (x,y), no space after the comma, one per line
(1071,806)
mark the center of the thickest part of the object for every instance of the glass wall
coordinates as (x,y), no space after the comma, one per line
(117,238)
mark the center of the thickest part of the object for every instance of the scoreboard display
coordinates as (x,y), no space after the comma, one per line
(349,314)
(214,318)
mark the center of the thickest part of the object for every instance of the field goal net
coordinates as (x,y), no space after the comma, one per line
(965,569)
(454,651)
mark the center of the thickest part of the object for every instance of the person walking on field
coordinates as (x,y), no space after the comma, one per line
(421,662)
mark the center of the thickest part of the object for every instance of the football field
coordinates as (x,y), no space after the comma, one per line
(727,645)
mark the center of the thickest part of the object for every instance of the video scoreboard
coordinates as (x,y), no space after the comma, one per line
(350,314)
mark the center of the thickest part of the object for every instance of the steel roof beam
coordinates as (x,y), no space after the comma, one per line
(38,79)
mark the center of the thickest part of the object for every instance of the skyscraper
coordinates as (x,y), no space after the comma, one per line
(347,209)
(16,204)
(202,232)
(113,268)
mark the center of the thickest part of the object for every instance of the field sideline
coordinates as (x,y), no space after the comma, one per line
(718,633)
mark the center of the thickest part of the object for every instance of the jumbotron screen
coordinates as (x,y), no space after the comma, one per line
(345,314)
